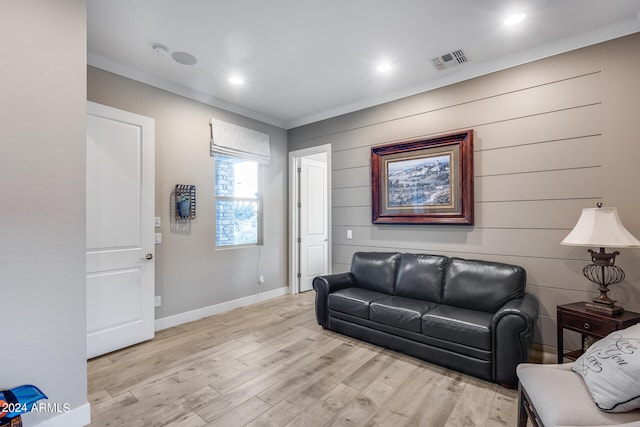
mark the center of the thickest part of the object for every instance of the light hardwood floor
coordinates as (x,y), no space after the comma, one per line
(271,364)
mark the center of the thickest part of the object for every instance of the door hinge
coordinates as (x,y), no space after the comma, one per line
(299,275)
(299,170)
(299,205)
(299,240)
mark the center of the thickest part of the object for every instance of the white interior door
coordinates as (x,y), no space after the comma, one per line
(120,229)
(313,222)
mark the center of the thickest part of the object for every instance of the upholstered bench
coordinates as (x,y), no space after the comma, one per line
(554,395)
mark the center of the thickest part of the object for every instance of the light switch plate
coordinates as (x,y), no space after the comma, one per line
(349,234)
(157,221)
(158,238)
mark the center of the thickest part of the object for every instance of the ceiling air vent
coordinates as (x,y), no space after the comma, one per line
(449,60)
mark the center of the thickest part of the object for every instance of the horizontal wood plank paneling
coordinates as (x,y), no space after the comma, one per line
(495,241)
(558,214)
(351,158)
(576,63)
(352,215)
(583,183)
(554,125)
(541,155)
(340,268)
(352,177)
(545,156)
(351,196)
(567,125)
(550,297)
(540,214)
(557,96)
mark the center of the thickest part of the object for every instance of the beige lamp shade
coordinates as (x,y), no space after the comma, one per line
(600,227)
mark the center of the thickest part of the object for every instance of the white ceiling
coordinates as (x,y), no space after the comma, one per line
(308,60)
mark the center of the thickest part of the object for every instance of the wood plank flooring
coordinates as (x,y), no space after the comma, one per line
(270,364)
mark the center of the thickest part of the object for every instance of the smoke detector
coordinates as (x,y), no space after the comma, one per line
(450,59)
(160,50)
(183,58)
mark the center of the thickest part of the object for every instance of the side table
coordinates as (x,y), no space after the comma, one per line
(575,317)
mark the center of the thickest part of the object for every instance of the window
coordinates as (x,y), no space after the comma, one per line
(238,202)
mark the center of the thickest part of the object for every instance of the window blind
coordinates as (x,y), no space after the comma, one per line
(228,139)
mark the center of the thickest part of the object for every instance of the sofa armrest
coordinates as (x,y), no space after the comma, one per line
(512,327)
(323,286)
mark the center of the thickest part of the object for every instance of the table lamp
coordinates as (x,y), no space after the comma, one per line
(601,227)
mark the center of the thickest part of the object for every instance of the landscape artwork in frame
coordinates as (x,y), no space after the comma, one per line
(428,181)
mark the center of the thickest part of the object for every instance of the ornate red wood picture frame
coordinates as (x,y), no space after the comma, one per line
(427,181)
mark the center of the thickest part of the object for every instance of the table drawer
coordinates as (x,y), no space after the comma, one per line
(587,325)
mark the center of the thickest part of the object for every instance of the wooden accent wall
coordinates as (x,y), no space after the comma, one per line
(551,137)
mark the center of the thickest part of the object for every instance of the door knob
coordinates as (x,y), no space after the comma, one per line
(147,256)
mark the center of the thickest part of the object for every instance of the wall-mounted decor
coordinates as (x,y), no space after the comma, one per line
(427,181)
(185,201)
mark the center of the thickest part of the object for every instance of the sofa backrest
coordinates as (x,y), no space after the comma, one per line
(482,285)
(420,276)
(375,271)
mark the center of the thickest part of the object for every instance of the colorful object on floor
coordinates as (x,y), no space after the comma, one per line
(19,400)
(13,422)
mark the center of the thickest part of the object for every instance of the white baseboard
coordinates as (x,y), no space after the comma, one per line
(77,417)
(190,316)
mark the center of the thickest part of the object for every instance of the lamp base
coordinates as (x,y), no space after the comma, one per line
(603,272)
(606,309)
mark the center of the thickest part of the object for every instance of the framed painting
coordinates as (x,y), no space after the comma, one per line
(427,181)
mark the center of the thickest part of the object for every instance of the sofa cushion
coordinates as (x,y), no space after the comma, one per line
(482,285)
(418,338)
(420,277)
(459,325)
(403,313)
(354,301)
(375,271)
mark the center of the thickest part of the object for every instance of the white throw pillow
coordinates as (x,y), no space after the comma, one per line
(611,370)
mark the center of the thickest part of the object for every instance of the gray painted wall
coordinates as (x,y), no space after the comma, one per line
(190,273)
(42,221)
(551,137)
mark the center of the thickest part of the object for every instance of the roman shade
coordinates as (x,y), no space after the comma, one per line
(228,139)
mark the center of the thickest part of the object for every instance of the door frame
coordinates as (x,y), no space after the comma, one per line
(294,217)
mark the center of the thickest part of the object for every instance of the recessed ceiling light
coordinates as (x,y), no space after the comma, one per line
(383,67)
(236,80)
(516,18)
